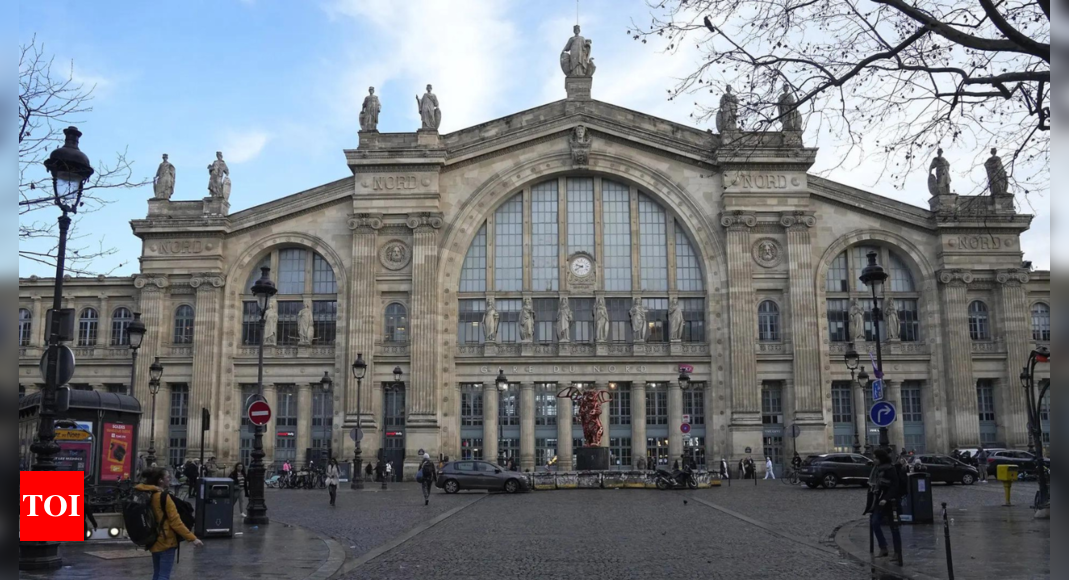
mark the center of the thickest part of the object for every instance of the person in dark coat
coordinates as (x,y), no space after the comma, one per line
(369,471)
(884,486)
(190,471)
(241,486)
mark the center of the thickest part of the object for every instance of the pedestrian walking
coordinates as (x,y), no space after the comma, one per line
(770,471)
(389,471)
(380,471)
(427,474)
(333,479)
(241,486)
(190,471)
(885,489)
(157,482)
(369,472)
(725,473)
(981,463)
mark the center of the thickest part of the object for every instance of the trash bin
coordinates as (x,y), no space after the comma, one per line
(215,508)
(917,506)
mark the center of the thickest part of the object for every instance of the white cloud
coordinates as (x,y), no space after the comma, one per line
(242,146)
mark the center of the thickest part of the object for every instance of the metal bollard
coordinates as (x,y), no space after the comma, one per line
(946,538)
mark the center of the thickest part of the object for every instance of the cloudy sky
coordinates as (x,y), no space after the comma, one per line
(277,85)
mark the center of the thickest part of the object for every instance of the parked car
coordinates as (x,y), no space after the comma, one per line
(1025,461)
(946,469)
(831,469)
(458,475)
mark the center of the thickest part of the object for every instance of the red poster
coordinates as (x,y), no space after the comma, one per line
(117,450)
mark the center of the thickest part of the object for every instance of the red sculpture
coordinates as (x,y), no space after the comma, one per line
(590,403)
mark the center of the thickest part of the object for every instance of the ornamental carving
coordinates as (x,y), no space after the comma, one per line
(150,282)
(738,219)
(1012,277)
(365,221)
(579,143)
(395,255)
(956,277)
(207,279)
(767,253)
(789,220)
(418,220)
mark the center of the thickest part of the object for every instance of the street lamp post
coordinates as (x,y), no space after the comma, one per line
(862,382)
(327,384)
(1028,380)
(70,170)
(263,289)
(851,359)
(155,372)
(874,276)
(359,370)
(385,390)
(502,383)
(136,333)
(684,387)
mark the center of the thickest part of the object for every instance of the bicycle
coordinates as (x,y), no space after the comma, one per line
(790,477)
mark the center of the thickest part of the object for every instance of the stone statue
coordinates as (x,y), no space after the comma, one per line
(305,326)
(601,320)
(218,173)
(996,174)
(271,324)
(788,111)
(857,322)
(564,320)
(727,118)
(429,111)
(638,322)
(890,316)
(580,142)
(226,188)
(490,319)
(369,112)
(675,321)
(527,321)
(163,185)
(575,59)
(939,182)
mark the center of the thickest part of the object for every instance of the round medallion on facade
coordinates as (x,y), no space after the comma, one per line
(766,252)
(395,255)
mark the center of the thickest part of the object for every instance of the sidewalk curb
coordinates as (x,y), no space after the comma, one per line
(861,554)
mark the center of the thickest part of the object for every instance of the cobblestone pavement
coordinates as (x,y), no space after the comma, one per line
(768,531)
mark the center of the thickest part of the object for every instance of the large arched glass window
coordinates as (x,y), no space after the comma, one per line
(25,327)
(768,321)
(120,323)
(396,323)
(844,288)
(183,324)
(305,280)
(979,321)
(1040,322)
(88,323)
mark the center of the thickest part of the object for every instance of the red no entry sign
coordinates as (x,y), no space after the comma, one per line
(259,413)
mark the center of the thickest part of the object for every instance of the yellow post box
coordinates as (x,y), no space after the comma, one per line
(1007,474)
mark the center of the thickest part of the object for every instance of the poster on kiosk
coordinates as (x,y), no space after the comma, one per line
(117,450)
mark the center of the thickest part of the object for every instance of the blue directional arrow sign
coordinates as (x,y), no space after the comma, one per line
(883,414)
(877,390)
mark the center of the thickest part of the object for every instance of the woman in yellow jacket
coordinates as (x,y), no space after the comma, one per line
(172,530)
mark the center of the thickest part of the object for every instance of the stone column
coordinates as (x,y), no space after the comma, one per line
(745,388)
(896,432)
(1016,326)
(270,430)
(422,395)
(104,325)
(304,420)
(638,423)
(152,314)
(206,342)
(37,331)
(491,416)
(564,434)
(527,426)
(363,299)
(805,316)
(675,419)
(861,413)
(963,419)
(606,419)
(163,422)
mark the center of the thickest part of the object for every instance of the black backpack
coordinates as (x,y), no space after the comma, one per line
(186,513)
(139,519)
(428,471)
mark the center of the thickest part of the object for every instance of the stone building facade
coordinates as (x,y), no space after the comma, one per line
(628,217)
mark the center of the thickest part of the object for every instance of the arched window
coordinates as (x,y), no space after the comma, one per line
(25,327)
(979,321)
(302,277)
(842,294)
(768,321)
(1040,322)
(183,325)
(120,322)
(87,327)
(396,323)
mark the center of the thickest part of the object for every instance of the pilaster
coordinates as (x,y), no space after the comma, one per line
(422,399)
(896,432)
(163,421)
(675,420)
(104,324)
(808,399)
(491,417)
(1017,335)
(206,332)
(37,330)
(271,429)
(746,391)
(152,290)
(564,434)
(363,299)
(304,420)
(638,423)
(963,419)
(527,426)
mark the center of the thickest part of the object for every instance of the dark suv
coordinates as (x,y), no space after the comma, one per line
(1025,461)
(831,469)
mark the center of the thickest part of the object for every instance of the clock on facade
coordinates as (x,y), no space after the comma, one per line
(581,266)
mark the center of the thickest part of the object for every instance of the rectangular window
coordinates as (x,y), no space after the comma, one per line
(693,319)
(870,329)
(183,327)
(620,405)
(842,410)
(546,404)
(838,274)
(656,318)
(322,419)
(545,310)
(985,399)
(616,214)
(653,237)
(583,319)
(545,273)
(509,406)
(581,215)
(688,271)
(87,331)
(287,407)
(291,271)
(909,321)
(620,452)
(839,320)
(656,404)
(509,449)
(325,317)
(772,403)
(394,411)
(250,323)
(473,272)
(179,405)
(471,405)
(508,249)
(913,416)
(545,451)
(288,334)
(176,453)
(323,281)
(508,328)
(619,319)
(694,403)
(471,449)
(286,447)
(470,321)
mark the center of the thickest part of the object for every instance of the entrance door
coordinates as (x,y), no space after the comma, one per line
(393,442)
(773,444)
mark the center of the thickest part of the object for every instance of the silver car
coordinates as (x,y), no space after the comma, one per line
(459,475)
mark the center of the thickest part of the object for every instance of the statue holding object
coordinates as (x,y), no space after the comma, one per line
(590,403)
